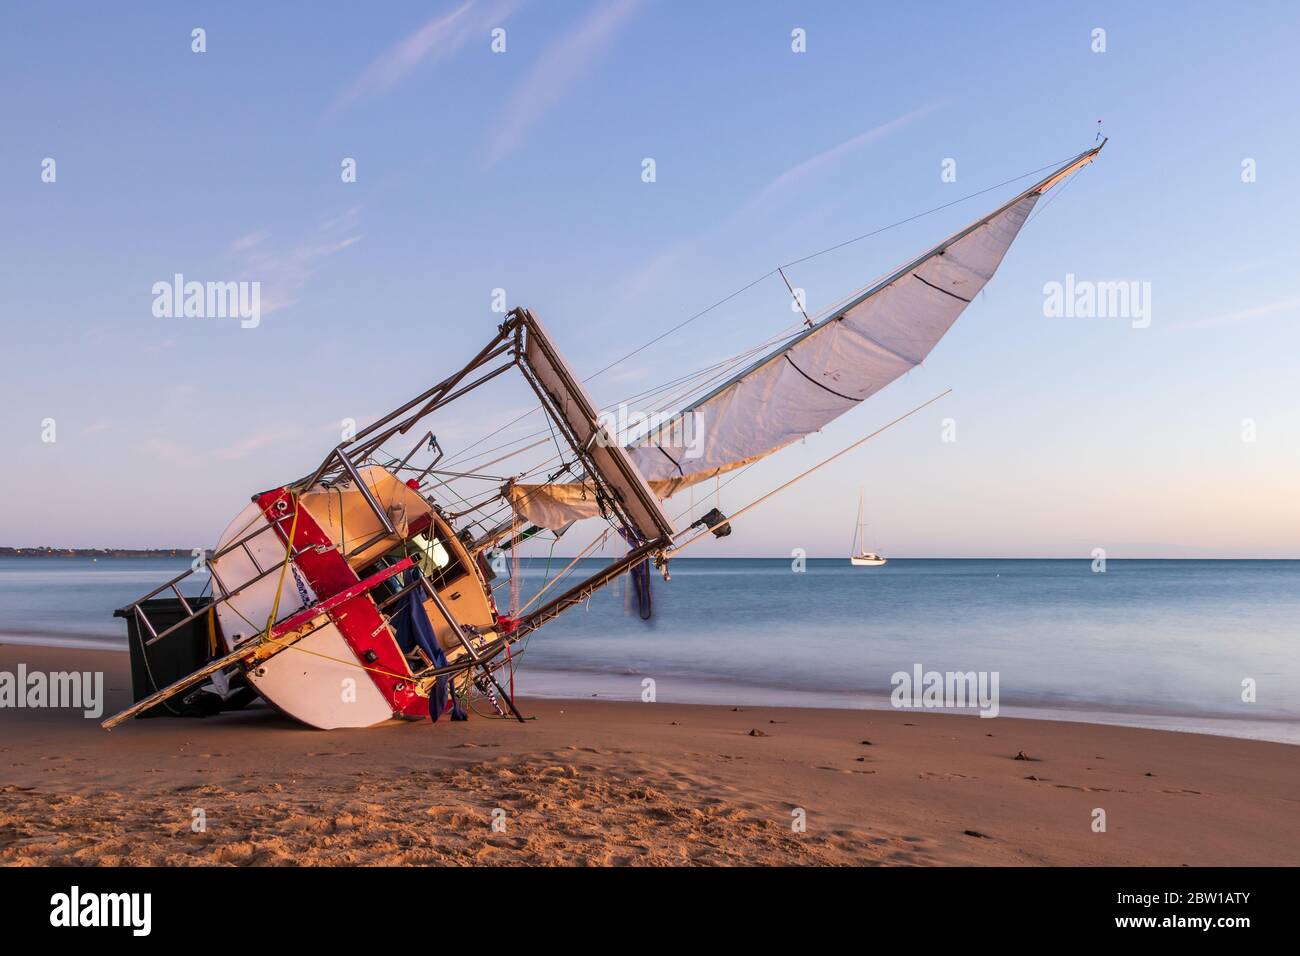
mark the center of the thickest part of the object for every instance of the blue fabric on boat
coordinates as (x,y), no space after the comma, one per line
(640,575)
(439,701)
(412,627)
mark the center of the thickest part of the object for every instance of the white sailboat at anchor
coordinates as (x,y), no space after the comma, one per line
(863,558)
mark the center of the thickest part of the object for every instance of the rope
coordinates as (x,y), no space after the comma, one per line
(1039,210)
(844,451)
(275,606)
(338,660)
(288,555)
(919,215)
(212,631)
(514,564)
(600,539)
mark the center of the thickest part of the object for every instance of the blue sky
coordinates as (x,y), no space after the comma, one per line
(522,170)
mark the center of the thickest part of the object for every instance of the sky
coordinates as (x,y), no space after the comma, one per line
(522,170)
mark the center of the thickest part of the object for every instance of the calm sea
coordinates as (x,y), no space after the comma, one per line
(1149,643)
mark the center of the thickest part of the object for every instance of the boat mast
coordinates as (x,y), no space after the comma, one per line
(857,528)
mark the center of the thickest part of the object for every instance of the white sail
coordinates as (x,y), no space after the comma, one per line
(825,371)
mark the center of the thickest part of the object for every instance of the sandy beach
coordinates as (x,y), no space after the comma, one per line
(592,782)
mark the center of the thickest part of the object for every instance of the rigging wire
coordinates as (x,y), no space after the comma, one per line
(728,362)
(698,381)
(692,382)
(745,288)
(919,215)
(1039,210)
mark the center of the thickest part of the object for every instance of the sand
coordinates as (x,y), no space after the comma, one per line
(593,782)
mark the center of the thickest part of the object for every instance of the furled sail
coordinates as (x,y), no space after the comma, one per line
(821,373)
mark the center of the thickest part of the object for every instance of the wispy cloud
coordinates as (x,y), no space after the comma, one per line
(1243,315)
(835,154)
(285,271)
(787,181)
(561,67)
(257,440)
(248,241)
(435,40)
(342,220)
(1288,256)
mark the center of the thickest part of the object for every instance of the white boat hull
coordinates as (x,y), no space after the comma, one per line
(867,561)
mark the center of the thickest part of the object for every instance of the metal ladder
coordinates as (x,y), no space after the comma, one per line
(137,607)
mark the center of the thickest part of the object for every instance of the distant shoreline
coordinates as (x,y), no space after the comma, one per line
(96,552)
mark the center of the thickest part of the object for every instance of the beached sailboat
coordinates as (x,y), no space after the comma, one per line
(863,558)
(362,591)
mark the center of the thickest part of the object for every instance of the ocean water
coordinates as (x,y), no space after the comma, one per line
(70,601)
(1149,643)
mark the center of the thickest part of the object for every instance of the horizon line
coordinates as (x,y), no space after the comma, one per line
(47,551)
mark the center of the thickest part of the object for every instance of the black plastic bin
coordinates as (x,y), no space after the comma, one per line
(178,654)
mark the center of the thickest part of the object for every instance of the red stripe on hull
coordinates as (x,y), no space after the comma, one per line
(357,619)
